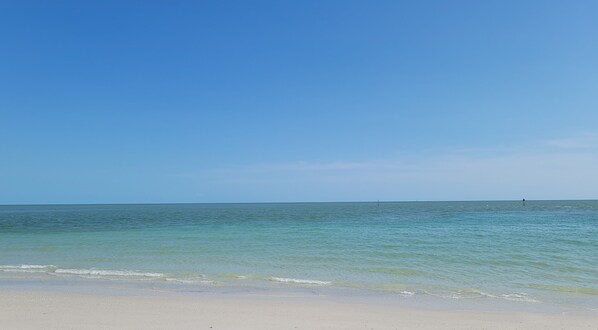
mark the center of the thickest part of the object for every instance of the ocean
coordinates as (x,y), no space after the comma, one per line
(545,252)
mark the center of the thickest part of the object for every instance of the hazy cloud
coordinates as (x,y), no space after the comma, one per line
(581,141)
(560,172)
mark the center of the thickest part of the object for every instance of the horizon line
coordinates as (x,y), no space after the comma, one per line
(305,202)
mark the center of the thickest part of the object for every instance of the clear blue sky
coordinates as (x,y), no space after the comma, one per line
(242,101)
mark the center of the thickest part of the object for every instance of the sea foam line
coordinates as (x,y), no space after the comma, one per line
(518,297)
(299,281)
(54,270)
(26,268)
(8,267)
(102,272)
(472,294)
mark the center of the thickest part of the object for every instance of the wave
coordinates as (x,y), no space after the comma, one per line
(299,281)
(565,289)
(518,297)
(394,271)
(102,272)
(472,294)
(191,281)
(398,288)
(54,270)
(27,268)
(238,276)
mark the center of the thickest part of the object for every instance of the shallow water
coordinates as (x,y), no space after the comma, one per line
(544,252)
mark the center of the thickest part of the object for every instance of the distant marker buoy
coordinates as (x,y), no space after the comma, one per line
(524,202)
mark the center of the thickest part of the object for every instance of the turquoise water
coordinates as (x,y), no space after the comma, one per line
(544,252)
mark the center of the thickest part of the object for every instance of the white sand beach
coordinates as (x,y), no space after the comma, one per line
(58,310)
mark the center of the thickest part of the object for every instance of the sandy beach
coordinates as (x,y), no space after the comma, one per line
(59,310)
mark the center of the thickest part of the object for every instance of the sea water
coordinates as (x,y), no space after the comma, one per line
(543,252)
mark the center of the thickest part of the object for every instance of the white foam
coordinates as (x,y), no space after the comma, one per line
(518,297)
(3,267)
(25,268)
(299,281)
(189,281)
(509,296)
(480,294)
(101,272)
(178,280)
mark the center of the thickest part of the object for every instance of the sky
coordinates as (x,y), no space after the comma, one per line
(289,101)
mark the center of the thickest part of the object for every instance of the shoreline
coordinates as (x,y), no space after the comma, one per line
(27,309)
(82,285)
(476,301)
